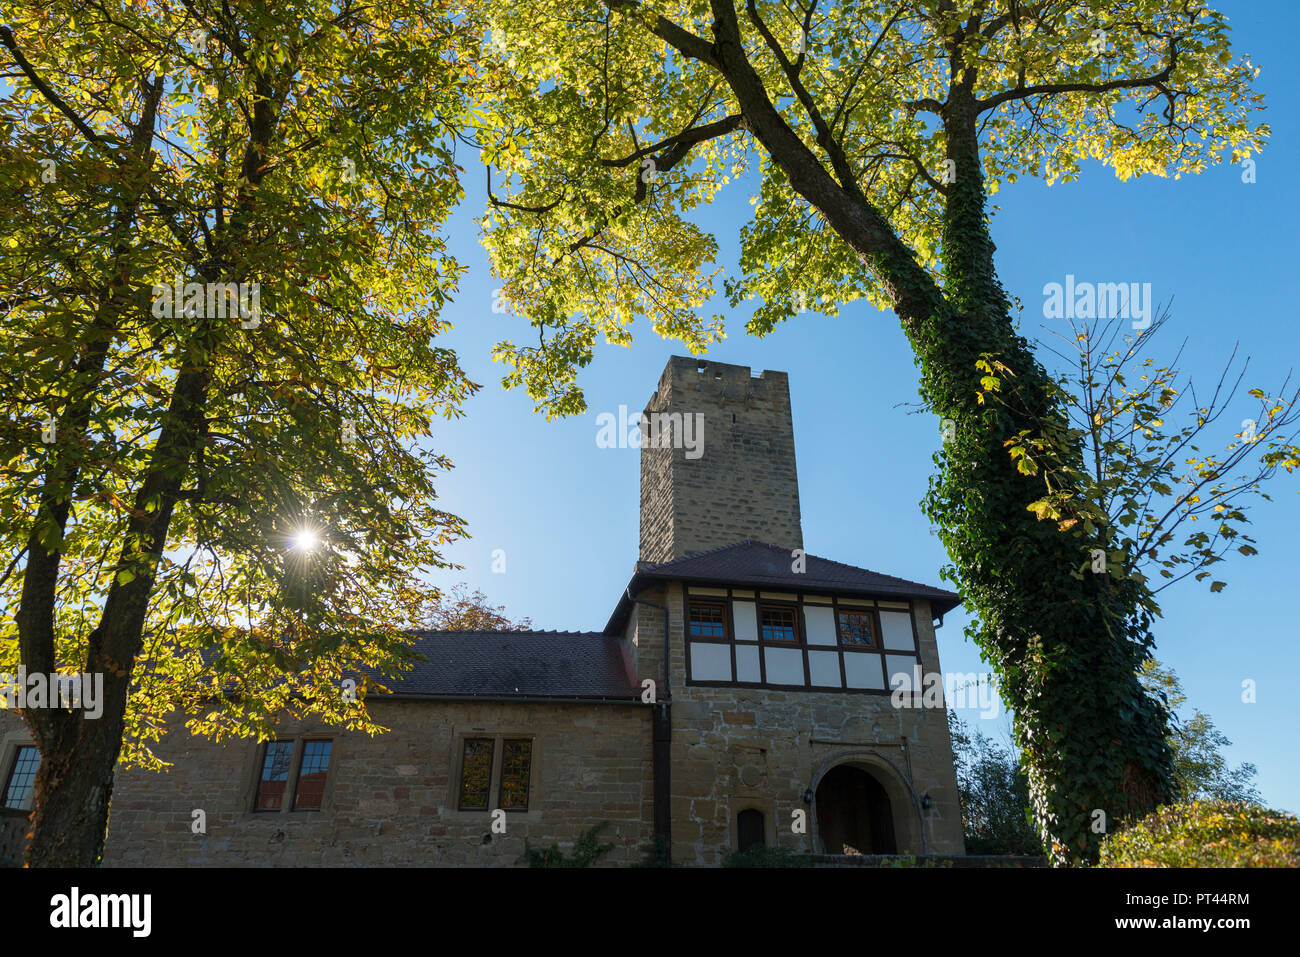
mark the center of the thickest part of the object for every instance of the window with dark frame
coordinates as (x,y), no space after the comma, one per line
(707,620)
(274,780)
(312,772)
(476,774)
(20,788)
(858,628)
(777,623)
(516,763)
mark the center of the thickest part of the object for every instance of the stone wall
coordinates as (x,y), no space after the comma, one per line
(743,485)
(13,828)
(391,799)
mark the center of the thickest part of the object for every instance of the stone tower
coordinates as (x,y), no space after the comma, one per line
(717,461)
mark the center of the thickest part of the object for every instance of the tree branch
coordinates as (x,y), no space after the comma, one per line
(1020,91)
(695,47)
(7,38)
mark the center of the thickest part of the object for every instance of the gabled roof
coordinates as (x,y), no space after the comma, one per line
(757,564)
(524,664)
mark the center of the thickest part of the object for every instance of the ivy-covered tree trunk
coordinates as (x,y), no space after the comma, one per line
(1067,644)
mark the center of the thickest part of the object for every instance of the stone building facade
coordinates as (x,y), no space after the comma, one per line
(738,695)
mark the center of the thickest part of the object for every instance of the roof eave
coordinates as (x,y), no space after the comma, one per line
(939,604)
(632,698)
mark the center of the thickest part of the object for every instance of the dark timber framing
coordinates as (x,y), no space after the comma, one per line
(699,594)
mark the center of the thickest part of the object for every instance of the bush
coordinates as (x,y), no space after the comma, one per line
(911,860)
(761,855)
(1207,834)
(586,852)
(655,854)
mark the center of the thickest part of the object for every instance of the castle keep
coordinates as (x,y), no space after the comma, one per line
(738,695)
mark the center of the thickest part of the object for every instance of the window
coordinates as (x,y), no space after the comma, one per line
(311,775)
(749,829)
(275,775)
(777,623)
(708,619)
(857,628)
(516,762)
(278,770)
(482,774)
(21,786)
(476,774)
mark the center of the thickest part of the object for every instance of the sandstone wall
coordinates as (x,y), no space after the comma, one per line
(743,485)
(391,799)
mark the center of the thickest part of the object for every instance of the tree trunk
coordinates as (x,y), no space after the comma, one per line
(74,786)
(1066,648)
(79,756)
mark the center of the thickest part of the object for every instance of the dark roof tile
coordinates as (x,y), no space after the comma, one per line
(759,564)
(527,664)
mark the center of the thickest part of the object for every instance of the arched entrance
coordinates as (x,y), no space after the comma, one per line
(854,815)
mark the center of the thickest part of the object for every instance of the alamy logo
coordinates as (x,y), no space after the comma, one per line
(952,690)
(209,300)
(37,690)
(1103,300)
(75,909)
(659,430)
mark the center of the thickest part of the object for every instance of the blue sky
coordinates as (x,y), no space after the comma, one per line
(564,511)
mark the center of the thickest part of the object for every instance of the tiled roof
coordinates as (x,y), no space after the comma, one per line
(525,664)
(756,563)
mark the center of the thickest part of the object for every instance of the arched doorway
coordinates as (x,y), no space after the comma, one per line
(854,815)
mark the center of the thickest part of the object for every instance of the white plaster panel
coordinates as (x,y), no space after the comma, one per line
(863,671)
(710,662)
(745,619)
(824,668)
(897,627)
(821,625)
(784,666)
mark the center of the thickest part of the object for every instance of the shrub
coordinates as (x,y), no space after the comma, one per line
(585,852)
(1207,834)
(911,860)
(761,855)
(655,854)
